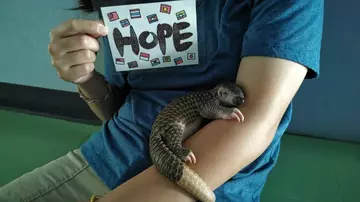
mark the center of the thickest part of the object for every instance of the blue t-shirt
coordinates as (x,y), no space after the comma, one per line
(227,31)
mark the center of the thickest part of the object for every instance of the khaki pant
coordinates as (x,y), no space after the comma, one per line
(68,179)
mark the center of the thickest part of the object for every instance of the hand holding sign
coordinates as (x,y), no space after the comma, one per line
(72,48)
(152,35)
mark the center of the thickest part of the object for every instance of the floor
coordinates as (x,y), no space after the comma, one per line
(308,170)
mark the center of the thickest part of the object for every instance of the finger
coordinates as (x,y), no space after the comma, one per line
(79,26)
(74,73)
(83,78)
(62,46)
(75,58)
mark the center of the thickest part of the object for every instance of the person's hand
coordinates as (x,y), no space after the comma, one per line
(72,47)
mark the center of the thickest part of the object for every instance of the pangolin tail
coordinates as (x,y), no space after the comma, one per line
(192,183)
(170,166)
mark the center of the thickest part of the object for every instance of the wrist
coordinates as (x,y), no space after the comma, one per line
(93,77)
(94,90)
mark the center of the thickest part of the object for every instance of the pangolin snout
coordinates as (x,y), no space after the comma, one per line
(239,101)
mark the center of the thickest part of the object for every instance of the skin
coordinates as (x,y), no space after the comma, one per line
(73,46)
(166,150)
(270,85)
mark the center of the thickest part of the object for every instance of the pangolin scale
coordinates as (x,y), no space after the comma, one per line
(180,119)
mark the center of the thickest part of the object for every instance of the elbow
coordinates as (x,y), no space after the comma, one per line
(264,107)
(263,117)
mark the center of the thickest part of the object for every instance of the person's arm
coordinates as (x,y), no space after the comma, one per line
(73,46)
(285,37)
(225,147)
(108,98)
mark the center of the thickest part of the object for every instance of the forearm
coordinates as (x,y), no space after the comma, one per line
(223,147)
(96,88)
(230,146)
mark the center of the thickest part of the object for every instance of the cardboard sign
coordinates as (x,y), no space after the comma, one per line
(152,35)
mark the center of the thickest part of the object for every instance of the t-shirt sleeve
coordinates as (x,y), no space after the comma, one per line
(287,29)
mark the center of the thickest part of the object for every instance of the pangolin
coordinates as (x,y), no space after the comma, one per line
(181,118)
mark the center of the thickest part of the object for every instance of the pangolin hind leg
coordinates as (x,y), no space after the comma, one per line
(173,138)
(170,166)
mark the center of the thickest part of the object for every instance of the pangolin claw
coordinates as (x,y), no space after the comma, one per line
(236,114)
(190,158)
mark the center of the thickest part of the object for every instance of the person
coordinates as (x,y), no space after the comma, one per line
(270,47)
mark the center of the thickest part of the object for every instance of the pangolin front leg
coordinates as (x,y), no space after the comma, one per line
(213,110)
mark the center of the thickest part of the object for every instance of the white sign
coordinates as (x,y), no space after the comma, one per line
(152,35)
